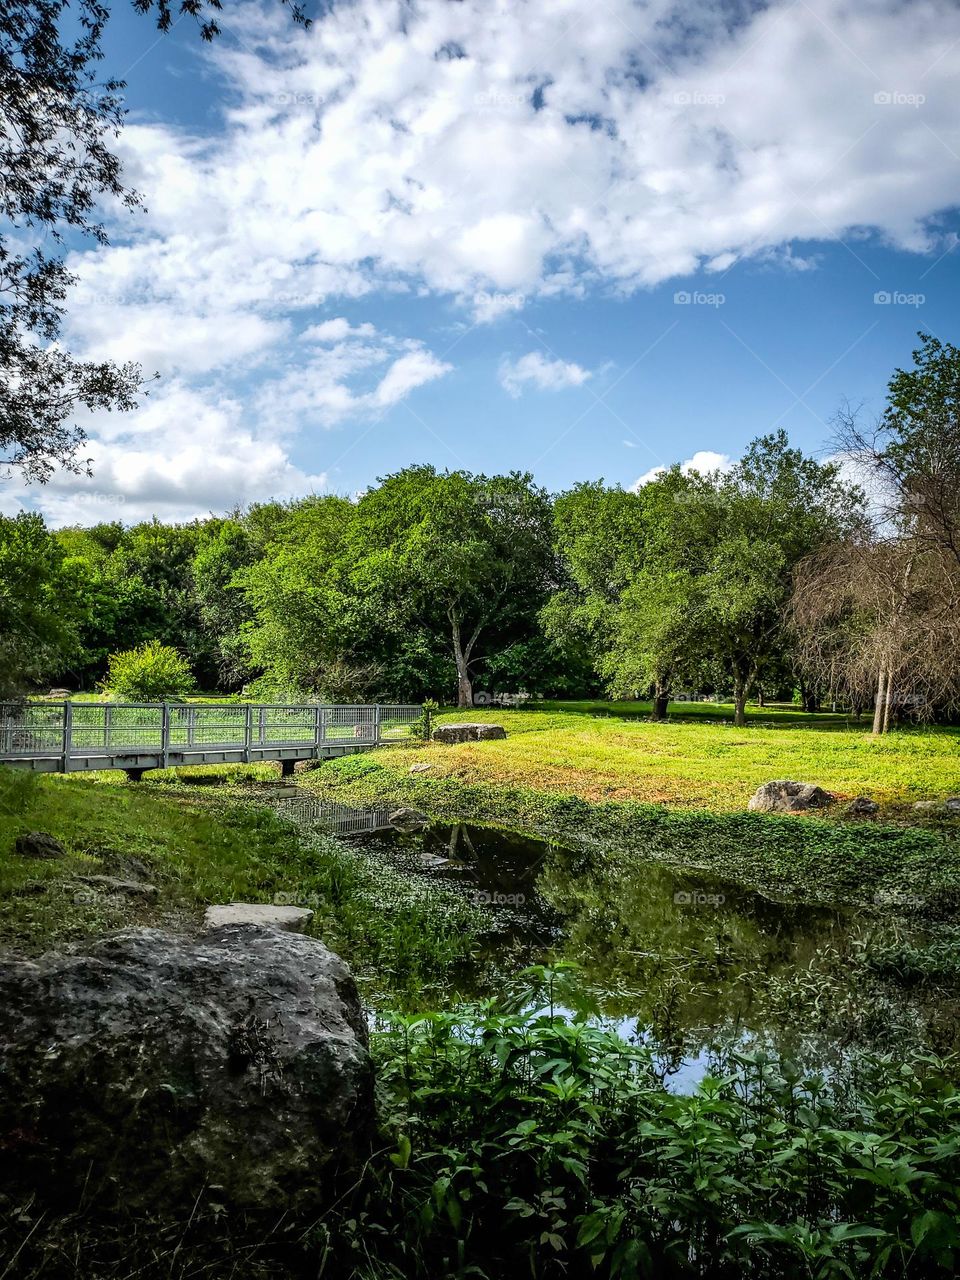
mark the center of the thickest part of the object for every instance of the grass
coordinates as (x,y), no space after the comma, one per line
(199,848)
(698,759)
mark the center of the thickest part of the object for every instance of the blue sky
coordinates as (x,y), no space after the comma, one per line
(581,240)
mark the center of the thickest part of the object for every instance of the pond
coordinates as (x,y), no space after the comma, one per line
(672,955)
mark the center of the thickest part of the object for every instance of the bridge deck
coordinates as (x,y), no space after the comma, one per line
(65,737)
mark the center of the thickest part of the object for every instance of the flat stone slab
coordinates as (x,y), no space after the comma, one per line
(290,919)
(468,732)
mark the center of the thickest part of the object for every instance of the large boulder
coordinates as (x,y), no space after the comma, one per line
(468,732)
(145,1067)
(789,797)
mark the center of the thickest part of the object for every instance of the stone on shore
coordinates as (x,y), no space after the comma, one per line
(290,919)
(146,1067)
(468,732)
(789,797)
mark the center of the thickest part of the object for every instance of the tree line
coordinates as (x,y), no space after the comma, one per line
(778,576)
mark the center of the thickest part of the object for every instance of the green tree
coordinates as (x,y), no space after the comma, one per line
(468,554)
(38,604)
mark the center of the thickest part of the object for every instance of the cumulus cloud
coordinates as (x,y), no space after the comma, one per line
(186,453)
(535,370)
(704,461)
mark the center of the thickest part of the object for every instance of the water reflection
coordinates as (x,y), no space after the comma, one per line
(676,955)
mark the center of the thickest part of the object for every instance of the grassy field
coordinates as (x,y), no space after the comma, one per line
(698,759)
(199,847)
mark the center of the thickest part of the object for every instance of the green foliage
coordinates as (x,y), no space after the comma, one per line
(686,580)
(39,605)
(150,673)
(524,1141)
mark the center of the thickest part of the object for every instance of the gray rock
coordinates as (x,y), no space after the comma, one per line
(38,844)
(862,807)
(113,884)
(468,732)
(422,767)
(145,1066)
(409,820)
(290,919)
(789,797)
(951,805)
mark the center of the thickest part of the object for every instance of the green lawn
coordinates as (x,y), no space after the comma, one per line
(697,759)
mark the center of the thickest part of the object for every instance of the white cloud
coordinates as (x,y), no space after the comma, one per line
(535,370)
(361,155)
(704,461)
(346,373)
(336,330)
(186,453)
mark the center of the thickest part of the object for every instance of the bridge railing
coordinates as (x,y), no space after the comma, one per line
(87,729)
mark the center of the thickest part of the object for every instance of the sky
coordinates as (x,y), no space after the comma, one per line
(585,239)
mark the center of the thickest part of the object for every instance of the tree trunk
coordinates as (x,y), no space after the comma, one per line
(881,701)
(888,705)
(462,658)
(739,701)
(760,701)
(661,700)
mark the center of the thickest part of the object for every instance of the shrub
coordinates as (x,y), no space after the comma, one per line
(527,1143)
(150,673)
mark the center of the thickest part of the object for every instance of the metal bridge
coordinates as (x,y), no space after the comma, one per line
(66,737)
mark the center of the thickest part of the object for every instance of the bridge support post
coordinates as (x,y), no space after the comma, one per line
(67,733)
(286,768)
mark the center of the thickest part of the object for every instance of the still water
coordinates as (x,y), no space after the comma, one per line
(676,956)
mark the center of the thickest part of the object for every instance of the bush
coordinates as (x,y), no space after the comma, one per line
(150,673)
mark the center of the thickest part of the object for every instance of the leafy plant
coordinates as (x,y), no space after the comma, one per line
(150,673)
(524,1141)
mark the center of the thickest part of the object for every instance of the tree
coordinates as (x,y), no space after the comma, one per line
(471,553)
(878,615)
(301,631)
(688,579)
(38,607)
